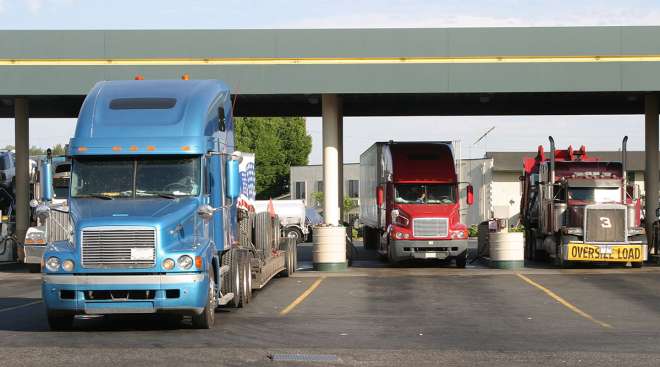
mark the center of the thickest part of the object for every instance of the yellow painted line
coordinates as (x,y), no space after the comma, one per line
(564,302)
(302,297)
(329,60)
(20,306)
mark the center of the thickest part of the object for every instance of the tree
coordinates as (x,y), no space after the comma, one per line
(278,143)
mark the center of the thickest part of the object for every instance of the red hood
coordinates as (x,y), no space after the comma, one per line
(432,210)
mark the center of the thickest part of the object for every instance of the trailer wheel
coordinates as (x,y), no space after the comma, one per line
(295,233)
(59,321)
(206,319)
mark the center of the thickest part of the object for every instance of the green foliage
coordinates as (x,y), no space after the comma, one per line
(34,150)
(517,229)
(349,204)
(473,231)
(278,143)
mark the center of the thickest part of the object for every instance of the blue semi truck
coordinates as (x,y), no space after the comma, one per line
(161,220)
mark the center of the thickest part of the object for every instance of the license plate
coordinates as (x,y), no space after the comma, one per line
(142,254)
(430,255)
(613,253)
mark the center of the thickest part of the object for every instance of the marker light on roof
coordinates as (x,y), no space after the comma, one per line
(116,148)
(82,149)
(185,77)
(133,148)
(139,77)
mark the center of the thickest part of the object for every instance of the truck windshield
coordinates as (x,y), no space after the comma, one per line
(129,177)
(595,194)
(425,194)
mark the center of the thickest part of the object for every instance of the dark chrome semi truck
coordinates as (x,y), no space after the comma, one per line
(161,220)
(577,208)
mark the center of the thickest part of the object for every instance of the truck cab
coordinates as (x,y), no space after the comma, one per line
(152,203)
(410,202)
(577,208)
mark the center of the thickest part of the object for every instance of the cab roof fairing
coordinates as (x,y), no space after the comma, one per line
(188,118)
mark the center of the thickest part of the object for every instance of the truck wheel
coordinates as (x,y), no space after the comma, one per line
(248,275)
(461,260)
(231,281)
(245,273)
(294,233)
(206,319)
(58,321)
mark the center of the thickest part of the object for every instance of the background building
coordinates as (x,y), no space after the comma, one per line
(495,178)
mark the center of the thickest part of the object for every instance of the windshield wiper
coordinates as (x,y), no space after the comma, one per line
(98,196)
(166,196)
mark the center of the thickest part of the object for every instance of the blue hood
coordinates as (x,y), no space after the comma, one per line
(158,212)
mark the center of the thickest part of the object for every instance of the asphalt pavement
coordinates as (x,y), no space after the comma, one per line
(371,315)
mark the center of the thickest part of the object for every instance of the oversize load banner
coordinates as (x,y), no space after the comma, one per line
(586,252)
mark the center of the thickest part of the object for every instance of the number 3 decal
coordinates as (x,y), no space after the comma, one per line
(605,222)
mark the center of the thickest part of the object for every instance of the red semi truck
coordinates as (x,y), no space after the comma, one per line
(409,202)
(577,208)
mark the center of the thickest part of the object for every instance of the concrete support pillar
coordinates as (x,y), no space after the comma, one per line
(22,142)
(331,121)
(340,160)
(329,253)
(651,146)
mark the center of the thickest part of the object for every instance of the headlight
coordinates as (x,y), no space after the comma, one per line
(68,265)
(185,262)
(406,235)
(53,264)
(168,264)
(398,235)
(458,234)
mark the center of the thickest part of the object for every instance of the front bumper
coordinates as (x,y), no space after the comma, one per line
(418,249)
(123,294)
(33,253)
(622,253)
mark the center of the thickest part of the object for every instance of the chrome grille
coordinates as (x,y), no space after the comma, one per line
(430,227)
(118,247)
(605,224)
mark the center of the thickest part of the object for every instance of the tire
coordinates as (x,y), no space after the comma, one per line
(248,275)
(288,257)
(206,319)
(368,239)
(294,233)
(243,267)
(33,268)
(231,281)
(461,260)
(58,321)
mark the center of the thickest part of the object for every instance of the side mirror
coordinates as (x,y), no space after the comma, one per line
(221,119)
(233,179)
(380,196)
(469,197)
(46,181)
(657,212)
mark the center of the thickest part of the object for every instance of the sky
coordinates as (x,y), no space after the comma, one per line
(510,133)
